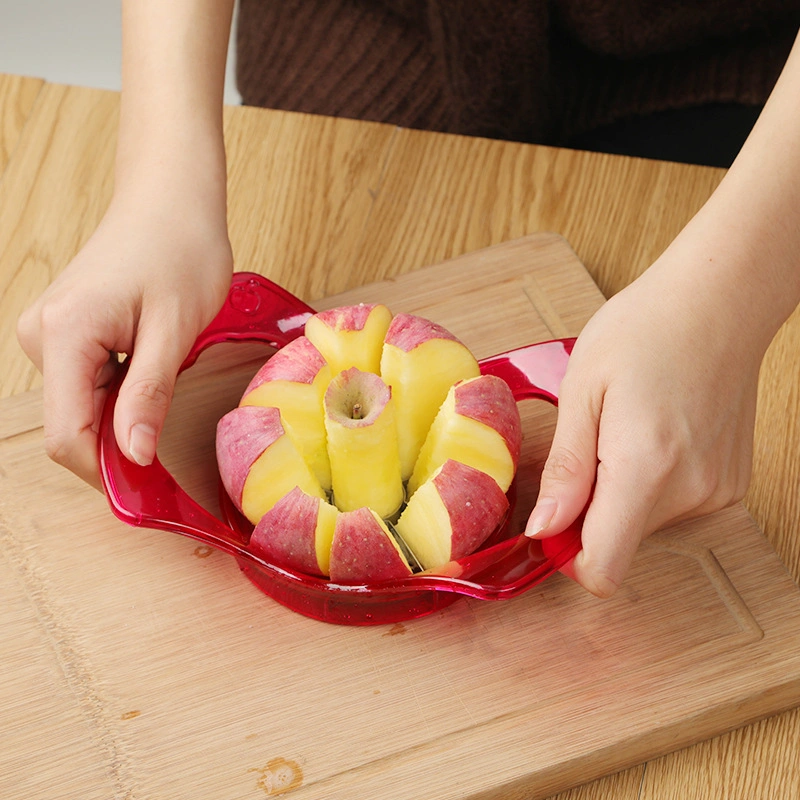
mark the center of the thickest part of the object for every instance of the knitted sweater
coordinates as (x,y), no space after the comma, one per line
(529,70)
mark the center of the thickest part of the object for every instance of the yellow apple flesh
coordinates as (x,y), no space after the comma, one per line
(362,443)
(294,381)
(258,462)
(421,361)
(350,336)
(478,425)
(451,514)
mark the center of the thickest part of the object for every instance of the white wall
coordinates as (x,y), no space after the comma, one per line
(70,41)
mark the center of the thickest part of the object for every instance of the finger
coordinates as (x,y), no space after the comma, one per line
(71,369)
(616,522)
(29,334)
(146,393)
(102,381)
(569,472)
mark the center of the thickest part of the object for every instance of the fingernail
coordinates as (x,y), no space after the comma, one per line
(541,516)
(142,444)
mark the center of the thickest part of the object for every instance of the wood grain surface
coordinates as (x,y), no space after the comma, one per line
(322,206)
(17,97)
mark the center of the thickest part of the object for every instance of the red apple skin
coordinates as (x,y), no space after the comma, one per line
(243,434)
(490,401)
(407,331)
(299,362)
(475,503)
(285,535)
(362,551)
(346,318)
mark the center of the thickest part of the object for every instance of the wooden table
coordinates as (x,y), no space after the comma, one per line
(323,205)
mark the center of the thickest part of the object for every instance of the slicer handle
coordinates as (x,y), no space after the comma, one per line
(255,310)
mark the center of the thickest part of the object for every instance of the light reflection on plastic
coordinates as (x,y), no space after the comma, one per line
(549,371)
(292,323)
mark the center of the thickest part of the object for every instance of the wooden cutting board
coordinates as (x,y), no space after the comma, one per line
(138,664)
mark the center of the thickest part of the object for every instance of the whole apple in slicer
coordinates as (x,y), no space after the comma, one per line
(370,448)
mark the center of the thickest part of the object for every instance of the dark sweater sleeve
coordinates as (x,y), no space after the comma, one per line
(529,70)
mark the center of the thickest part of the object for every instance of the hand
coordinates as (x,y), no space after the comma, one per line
(151,277)
(657,407)
(655,423)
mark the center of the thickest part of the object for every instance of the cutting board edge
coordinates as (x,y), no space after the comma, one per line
(682,732)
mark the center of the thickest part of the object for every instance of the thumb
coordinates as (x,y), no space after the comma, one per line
(146,393)
(571,467)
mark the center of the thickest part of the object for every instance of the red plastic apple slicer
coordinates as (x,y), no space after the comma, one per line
(257,310)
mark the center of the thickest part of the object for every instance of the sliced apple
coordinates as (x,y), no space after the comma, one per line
(364,551)
(451,514)
(421,361)
(294,381)
(258,461)
(362,443)
(345,415)
(478,425)
(297,533)
(350,336)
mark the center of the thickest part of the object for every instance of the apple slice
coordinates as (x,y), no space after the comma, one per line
(364,551)
(478,425)
(297,533)
(451,514)
(421,361)
(362,443)
(294,381)
(350,336)
(258,461)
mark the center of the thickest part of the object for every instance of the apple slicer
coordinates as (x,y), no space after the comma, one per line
(509,563)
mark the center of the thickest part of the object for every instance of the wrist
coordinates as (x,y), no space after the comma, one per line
(747,236)
(738,254)
(174,178)
(710,284)
(173,70)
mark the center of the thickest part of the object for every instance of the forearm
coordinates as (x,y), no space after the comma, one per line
(173,73)
(744,244)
